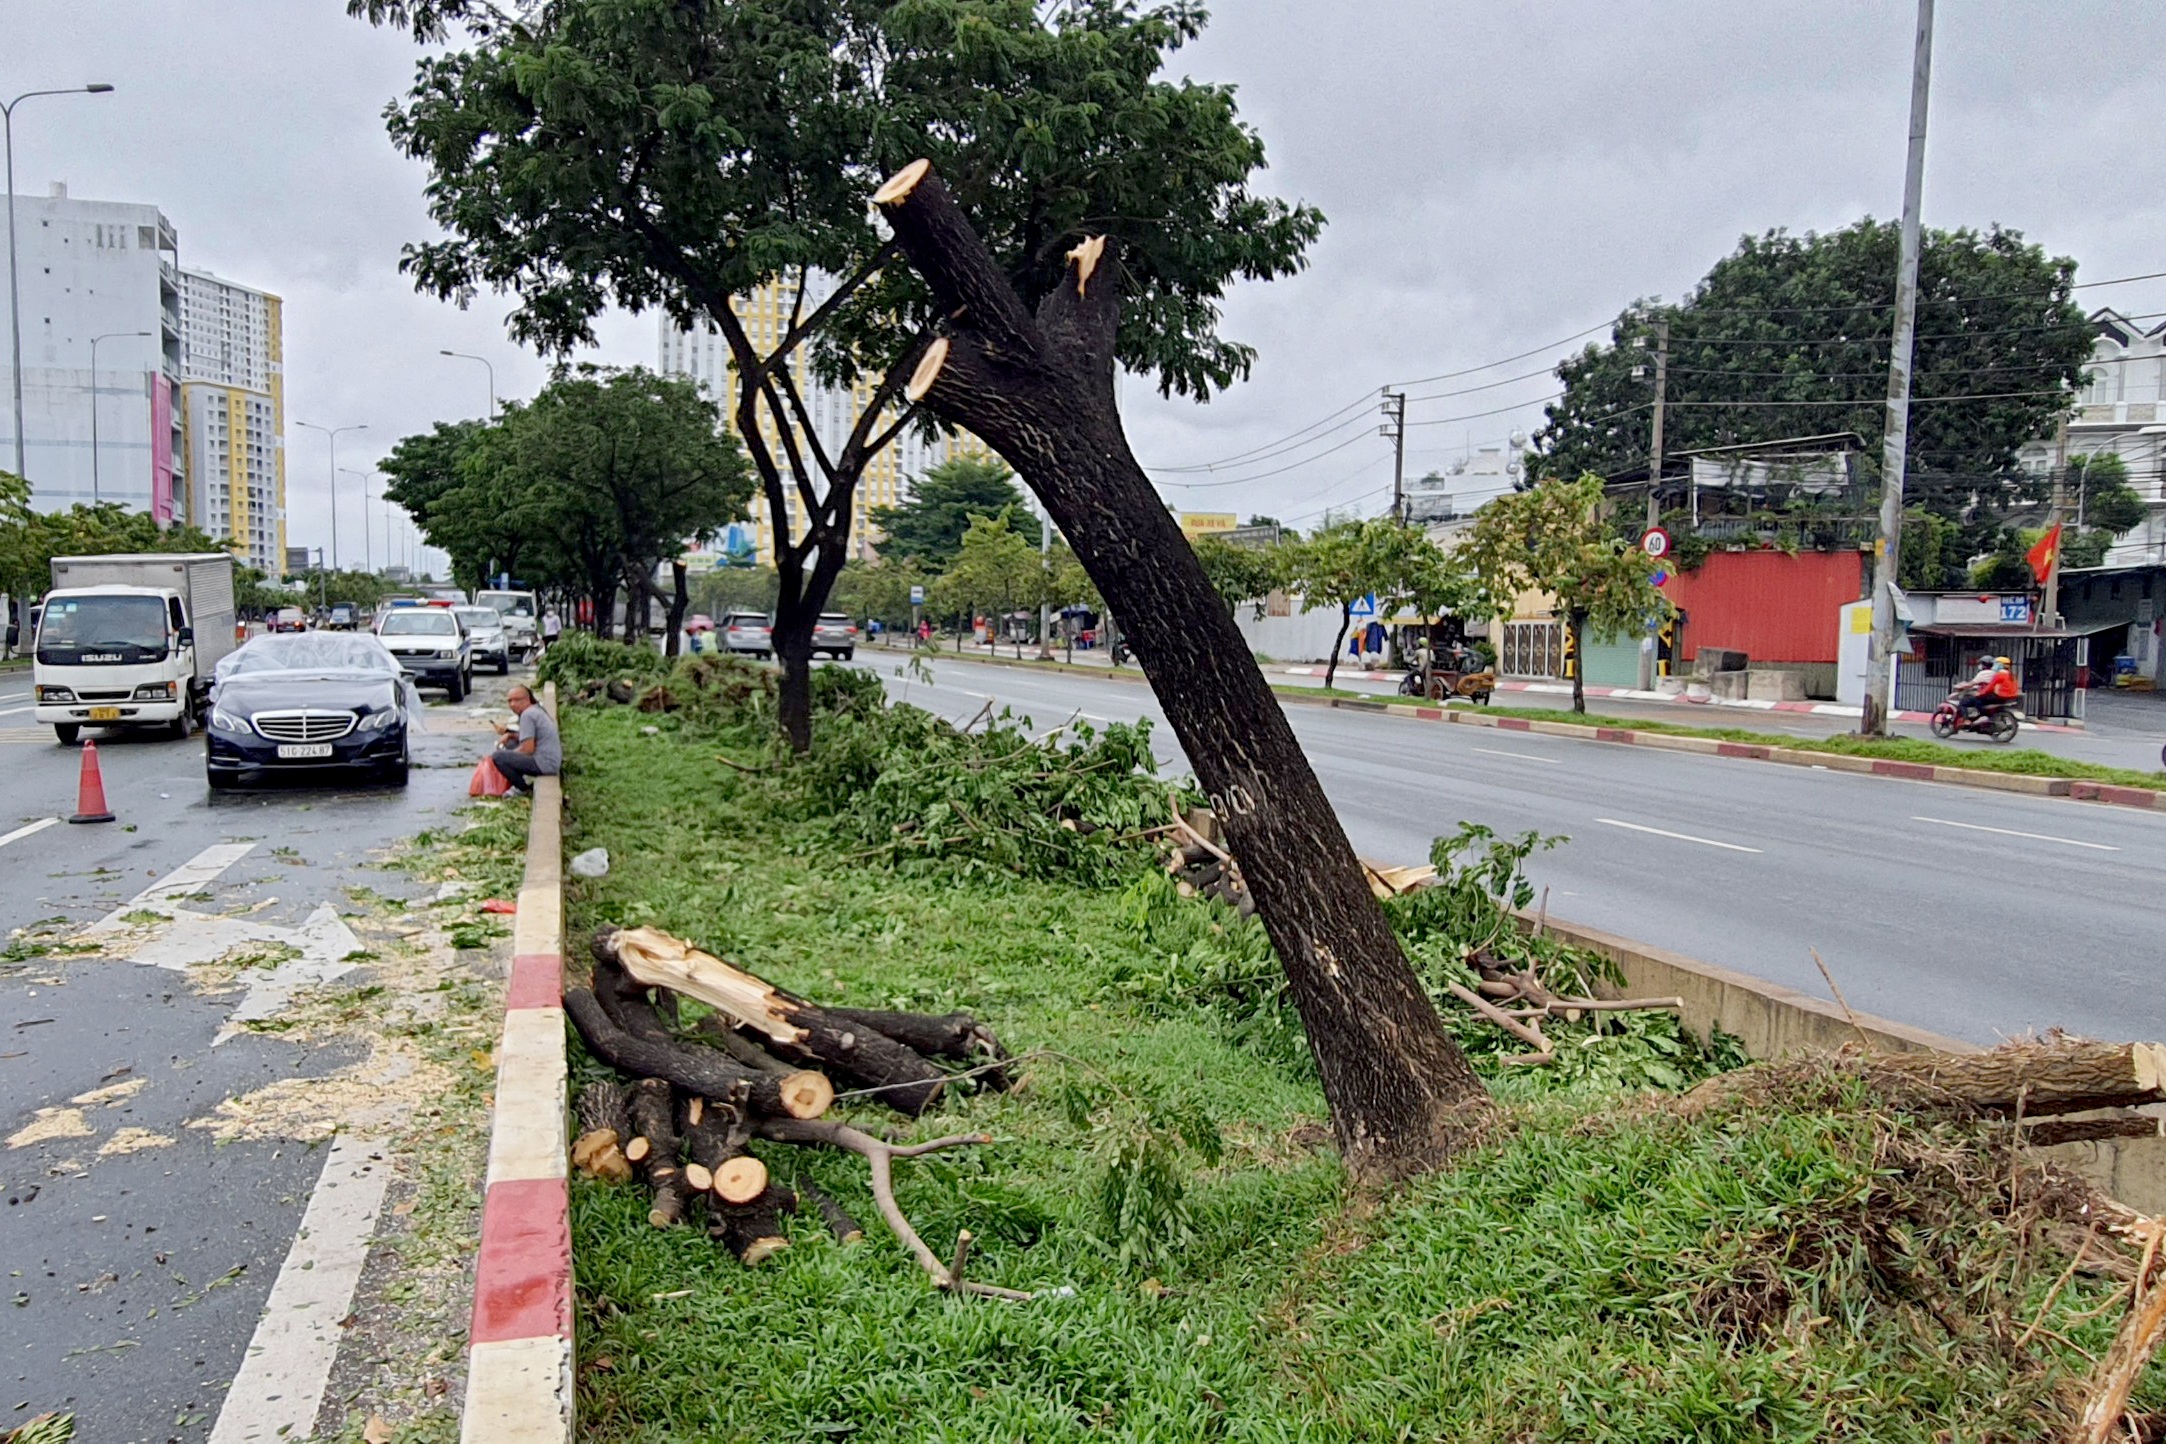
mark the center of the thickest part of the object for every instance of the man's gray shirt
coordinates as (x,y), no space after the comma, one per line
(537,725)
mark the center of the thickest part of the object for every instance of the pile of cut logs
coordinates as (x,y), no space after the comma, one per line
(757,1066)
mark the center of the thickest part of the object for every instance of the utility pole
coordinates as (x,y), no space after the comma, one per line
(1654,478)
(1395,407)
(95,497)
(1880,666)
(1045,575)
(2049,614)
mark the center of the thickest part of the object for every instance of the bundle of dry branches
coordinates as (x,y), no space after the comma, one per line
(756,1067)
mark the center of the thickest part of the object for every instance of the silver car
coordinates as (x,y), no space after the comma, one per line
(492,643)
(748,632)
(834,634)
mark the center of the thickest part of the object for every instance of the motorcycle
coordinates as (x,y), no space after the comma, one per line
(1999,723)
(1476,686)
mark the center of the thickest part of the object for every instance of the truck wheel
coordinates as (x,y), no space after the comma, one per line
(503,665)
(455,689)
(178,729)
(67,732)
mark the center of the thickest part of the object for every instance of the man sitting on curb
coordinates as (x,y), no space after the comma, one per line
(532,749)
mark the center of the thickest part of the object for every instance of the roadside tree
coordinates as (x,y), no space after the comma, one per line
(995,573)
(1031,370)
(1239,574)
(679,154)
(929,523)
(1342,565)
(1553,538)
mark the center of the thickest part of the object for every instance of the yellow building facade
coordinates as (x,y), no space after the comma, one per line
(702,355)
(233,416)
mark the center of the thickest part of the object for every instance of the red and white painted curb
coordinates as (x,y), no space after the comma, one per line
(2072,787)
(519,1355)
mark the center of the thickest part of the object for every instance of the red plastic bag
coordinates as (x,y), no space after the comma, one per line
(488,780)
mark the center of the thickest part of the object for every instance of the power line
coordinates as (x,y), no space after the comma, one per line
(1508,360)
(1251,453)
(1501,410)
(1690,308)
(1862,375)
(1276,471)
(1795,341)
(1485,386)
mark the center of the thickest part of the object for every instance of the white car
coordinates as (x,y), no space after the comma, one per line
(492,643)
(834,634)
(752,633)
(432,646)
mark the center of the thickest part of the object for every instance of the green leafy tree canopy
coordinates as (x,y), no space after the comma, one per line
(930,522)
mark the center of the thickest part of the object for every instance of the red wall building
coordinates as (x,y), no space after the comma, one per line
(1771,606)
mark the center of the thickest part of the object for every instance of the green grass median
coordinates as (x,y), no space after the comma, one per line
(1604,1267)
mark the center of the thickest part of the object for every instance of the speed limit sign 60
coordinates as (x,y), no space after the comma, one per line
(1655,542)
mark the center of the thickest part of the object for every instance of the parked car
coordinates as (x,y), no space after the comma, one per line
(749,632)
(492,643)
(344,618)
(301,703)
(289,619)
(432,645)
(834,634)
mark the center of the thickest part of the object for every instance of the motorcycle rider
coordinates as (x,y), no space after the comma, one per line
(1971,696)
(2002,691)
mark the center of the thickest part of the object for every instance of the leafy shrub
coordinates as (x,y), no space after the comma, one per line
(578,658)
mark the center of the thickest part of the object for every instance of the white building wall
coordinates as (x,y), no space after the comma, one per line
(2122,412)
(89,269)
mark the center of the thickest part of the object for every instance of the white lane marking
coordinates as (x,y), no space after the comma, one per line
(191,875)
(2003,831)
(279,1389)
(13,711)
(1522,756)
(22,832)
(1680,836)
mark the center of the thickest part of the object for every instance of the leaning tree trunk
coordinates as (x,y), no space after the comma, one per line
(1040,390)
(1338,645)
(1576,623)
(792,639)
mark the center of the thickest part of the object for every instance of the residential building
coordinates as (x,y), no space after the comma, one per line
(233,408)
(765,314)
(2122,411)
(103,272)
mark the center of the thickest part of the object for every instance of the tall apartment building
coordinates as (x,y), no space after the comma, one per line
(104,272)
(233,415)
(765,313)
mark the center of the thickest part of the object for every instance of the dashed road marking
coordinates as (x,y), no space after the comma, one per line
(2003,831)
(1680,836)
(22,832)
(279,1389)
(1522,756)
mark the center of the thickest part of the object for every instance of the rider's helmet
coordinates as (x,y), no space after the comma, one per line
(2001,662)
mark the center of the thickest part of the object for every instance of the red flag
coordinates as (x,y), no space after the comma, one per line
(2045,554)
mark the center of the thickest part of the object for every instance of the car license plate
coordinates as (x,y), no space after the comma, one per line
(105,714)
(299,751)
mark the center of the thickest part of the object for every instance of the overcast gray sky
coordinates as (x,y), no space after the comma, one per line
(1496,176)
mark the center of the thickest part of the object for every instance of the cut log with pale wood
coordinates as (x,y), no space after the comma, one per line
(957,1036)
(2030,1079)
(802,1094)
(787,1025)
(752,1230)
(654,1149)
(604,1128)
(719,1165)
(2093,1130)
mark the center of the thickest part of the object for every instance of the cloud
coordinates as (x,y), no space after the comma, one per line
(1497,176)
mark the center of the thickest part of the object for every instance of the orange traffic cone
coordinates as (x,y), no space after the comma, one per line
(90,791)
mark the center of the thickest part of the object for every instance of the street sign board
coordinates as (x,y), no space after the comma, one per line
(1365,609)
(1655,542)
(917,596)
(1202,523)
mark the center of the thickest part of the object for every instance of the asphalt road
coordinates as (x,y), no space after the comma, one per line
(138,1253)
(1979,914)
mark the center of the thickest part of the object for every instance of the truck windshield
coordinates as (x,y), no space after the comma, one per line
(508,604)
(103,624)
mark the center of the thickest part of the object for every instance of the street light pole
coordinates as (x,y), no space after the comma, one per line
(331,434)
(469,356)
(15,295)
(1879,687)
(108,336)
(368,563)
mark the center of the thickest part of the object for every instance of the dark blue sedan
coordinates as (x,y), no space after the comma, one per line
(307,702)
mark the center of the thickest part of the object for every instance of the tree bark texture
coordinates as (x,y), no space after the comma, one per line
(2032,1079)
(787,1026)
(703,1071)
(1040,390)
(1338,647)
(956,1036)
(679,599)
(1577,623)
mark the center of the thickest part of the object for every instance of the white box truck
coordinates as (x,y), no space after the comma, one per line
(521,612)
(130,641)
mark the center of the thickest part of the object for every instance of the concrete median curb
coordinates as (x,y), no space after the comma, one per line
(519,1347)
(2080,789)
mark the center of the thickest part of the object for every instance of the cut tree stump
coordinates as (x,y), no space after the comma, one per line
(753,1230)
(789,1026)
(654,1148)
(803,1094)
(604,1128)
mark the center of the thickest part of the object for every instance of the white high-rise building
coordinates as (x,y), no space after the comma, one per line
(234,415)
(96,276)
(765,313)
